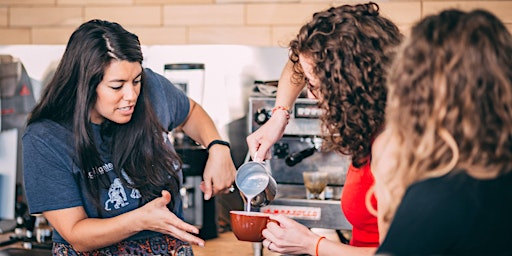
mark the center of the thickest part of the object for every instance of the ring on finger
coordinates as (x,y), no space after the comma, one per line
(268,246)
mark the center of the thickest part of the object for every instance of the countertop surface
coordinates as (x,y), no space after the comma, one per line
(225,244)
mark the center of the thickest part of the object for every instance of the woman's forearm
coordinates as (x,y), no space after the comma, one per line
(199,126)
(287,91)
(327,247)
(86,234)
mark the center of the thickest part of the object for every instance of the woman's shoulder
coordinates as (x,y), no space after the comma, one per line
(158,87)
(47,129)
(459,179)
(155,80)
(442,185)
(46,139)
(457,189)
(170,103)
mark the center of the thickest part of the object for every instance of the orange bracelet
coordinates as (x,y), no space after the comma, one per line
(318,243)
(286,109)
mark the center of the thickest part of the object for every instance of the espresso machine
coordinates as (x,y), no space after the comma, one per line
(300,150)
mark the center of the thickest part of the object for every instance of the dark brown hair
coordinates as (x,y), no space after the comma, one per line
(350,47)
(138,146)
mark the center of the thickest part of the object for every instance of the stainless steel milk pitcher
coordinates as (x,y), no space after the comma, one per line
(256,184)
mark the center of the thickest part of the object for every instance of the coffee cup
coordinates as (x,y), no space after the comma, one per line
(247,226)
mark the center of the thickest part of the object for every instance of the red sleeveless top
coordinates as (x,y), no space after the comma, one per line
(365,232)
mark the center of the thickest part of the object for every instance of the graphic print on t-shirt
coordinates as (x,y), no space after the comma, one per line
(135,192)
(116,195)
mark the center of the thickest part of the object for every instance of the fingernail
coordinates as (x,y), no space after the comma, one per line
(200,244)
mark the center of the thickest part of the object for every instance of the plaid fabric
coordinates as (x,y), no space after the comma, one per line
(159,245)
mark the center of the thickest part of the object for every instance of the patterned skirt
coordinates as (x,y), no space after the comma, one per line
(158,245)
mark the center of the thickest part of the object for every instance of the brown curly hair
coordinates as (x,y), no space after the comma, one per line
(350,47)
(450,100)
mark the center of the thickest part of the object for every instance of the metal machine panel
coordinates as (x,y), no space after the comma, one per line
(311,213)
(303,119)
(302,138)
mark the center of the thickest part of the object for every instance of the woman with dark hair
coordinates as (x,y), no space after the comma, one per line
(443,165)
(341,56)
(97,160)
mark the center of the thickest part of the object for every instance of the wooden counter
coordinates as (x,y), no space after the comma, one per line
(225,244)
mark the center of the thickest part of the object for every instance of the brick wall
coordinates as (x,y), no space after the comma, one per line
(178,22)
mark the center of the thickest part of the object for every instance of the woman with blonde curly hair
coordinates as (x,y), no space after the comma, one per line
(341,56)
(443,164)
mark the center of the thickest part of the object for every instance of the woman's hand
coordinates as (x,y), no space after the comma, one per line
(261,140)
(157,217)
(289,237)
(219,172)
(87,234)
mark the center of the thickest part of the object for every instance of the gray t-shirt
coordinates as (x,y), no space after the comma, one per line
(54,181)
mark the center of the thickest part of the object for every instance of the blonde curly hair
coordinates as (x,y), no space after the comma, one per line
(450,101)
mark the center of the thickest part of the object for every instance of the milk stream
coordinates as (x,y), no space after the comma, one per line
(248,203)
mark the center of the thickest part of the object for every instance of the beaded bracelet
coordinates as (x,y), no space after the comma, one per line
(318,244)
(214,142)
(286,109)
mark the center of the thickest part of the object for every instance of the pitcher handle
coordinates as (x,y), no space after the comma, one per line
(247,157)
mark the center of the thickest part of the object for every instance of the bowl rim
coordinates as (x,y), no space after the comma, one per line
(246,213)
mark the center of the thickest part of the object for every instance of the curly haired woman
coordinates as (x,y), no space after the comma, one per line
(444,181)
(341,55)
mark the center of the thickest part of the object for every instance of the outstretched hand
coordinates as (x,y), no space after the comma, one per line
(159,218)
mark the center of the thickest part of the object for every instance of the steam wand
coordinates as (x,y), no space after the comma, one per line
(297,157)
